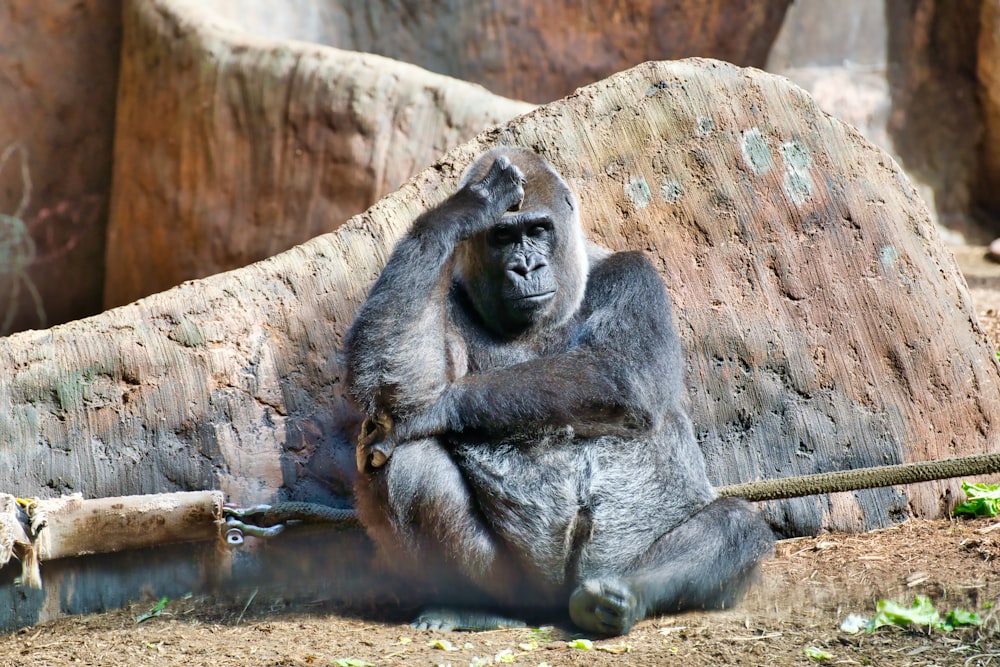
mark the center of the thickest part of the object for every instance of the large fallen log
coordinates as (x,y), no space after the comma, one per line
(826,326)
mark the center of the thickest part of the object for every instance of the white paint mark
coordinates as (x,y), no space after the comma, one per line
(756,152)
(671,191)
(798,181)
(637,191)
(888,255)
(705,126)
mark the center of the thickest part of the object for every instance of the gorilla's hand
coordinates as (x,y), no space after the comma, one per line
(375,443)
(503,186)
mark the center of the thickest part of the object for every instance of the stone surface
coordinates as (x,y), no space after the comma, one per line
(58,72)
(988,73)
(256,145)
(825,324)
(902,72)
(537,50)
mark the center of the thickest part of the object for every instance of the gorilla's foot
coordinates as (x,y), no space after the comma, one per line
(605,606)
(463,619)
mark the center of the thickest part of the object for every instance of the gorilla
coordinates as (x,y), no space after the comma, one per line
(526,437)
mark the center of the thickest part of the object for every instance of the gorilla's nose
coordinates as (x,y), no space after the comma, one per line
(522,267)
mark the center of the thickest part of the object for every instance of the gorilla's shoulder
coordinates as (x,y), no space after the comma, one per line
(625,269)
(627,284)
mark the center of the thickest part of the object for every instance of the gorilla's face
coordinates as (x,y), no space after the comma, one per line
(519,248)
(527,272)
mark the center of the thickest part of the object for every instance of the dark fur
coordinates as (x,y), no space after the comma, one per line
(537,449)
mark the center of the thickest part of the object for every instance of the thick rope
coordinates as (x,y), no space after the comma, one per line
(771,489)
(865,478)
(341,519)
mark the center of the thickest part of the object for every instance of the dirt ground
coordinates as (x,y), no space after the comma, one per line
(803,596)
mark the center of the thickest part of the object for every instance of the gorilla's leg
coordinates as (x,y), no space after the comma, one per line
(705,563)
(419,511)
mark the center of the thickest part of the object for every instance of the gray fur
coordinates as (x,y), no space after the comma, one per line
(536,449)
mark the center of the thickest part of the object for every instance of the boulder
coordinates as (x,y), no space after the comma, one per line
(230,148)
(825,324)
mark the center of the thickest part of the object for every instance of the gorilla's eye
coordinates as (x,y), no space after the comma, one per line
(537,229)
(502,235)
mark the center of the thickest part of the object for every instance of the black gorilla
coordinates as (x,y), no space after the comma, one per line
(526,432)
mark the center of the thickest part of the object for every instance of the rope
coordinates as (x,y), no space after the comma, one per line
(771,489)
(266,516)
(865,478)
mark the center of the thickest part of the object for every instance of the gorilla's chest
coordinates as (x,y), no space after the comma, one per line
(482,353)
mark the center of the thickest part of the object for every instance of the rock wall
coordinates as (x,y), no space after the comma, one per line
(988,73)
(256,144)
(58,72)
(536,50)
(904,73)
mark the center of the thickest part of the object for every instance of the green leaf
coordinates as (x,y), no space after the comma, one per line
(920,613)
(983,500)
(817,654)
(154,612)
(352,662)
(582,644)
(541,634)
(961,617)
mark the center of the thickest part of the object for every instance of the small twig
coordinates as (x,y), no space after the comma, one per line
(246,606)
(772,635)
(989,529)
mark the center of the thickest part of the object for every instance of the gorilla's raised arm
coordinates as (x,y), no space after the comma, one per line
(396,351)
(590,347)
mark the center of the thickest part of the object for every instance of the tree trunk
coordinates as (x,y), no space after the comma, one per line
(826,326)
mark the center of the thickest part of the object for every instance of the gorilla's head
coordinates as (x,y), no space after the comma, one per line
(528,271)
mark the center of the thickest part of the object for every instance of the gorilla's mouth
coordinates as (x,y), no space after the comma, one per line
(541,297)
